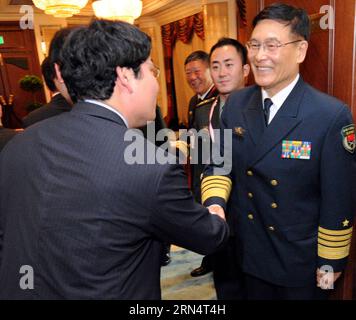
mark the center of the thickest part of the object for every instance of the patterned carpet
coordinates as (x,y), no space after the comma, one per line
(178,284)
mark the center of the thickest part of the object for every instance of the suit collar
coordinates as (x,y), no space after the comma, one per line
(206,94)
(284,122)
(97,111)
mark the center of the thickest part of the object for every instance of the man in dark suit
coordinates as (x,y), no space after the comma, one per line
(5,134)
(292,180)
(80,218)
(60,102)
(56,106)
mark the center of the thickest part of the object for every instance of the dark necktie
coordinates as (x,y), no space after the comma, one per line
(266,107)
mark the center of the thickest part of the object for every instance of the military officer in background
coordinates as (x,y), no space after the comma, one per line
(199,79)
(291,188)
(197,73)
(229,71)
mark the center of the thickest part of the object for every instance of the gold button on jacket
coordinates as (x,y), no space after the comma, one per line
(274,205)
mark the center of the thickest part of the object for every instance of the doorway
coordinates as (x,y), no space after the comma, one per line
(18,57)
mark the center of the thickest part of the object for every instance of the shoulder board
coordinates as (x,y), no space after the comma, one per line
(204,102)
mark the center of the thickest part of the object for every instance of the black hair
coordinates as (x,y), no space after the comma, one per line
(197,55)
(296,18)
(241,50)
(48,74)
(91,55)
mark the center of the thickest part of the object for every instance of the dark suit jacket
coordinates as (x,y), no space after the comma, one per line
(292,215)
(5,136)
(89,223)
(56,106)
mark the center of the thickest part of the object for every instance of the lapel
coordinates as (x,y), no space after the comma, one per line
(212,93)
(94,110)
(253,115)
(284,122)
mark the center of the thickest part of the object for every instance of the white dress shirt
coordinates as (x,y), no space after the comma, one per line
(102,104)
(279,98)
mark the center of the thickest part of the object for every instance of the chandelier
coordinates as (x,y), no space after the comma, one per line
(60,8)
(126,10)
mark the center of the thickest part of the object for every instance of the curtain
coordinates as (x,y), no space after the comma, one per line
(241,9)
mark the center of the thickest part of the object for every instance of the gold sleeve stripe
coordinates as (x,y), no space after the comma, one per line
(216,186)
(334,238)
(339,244)
(215,192)
(216,178)
(333,253)
(335,232)
(216,183)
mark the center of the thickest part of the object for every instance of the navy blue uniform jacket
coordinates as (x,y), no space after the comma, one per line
(291,213)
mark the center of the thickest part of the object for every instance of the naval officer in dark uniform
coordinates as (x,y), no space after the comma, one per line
(291,188)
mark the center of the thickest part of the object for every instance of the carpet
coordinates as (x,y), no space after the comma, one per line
(178,284)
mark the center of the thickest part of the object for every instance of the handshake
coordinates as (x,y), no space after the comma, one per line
(218,210)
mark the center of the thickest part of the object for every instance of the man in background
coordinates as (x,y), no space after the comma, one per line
(199,79)
(56,106)
(198,76)
(229,70)
(60,101)
(5,134)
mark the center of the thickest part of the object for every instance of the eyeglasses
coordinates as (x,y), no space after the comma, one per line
(155,71)
(271,46)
